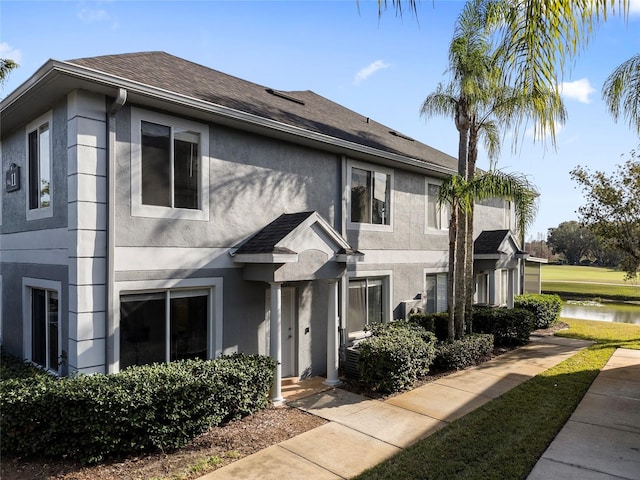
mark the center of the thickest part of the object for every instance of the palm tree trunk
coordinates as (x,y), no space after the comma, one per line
(451,278)
(461,240)
(471,173)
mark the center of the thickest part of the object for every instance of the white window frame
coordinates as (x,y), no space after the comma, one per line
(41,212)
(214,322)
(387,287)
(351,164)
(138,209)
(442,274)
(444,213)
(51,285)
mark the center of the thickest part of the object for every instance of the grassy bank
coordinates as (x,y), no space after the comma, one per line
(570,281)
(505,437)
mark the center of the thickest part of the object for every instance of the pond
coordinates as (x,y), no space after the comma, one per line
(606,312)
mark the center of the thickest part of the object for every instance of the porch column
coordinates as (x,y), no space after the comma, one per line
(275,342)
(332,335)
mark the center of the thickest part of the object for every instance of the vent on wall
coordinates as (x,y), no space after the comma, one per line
(284,95)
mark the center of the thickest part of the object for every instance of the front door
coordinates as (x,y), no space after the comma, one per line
(288,332)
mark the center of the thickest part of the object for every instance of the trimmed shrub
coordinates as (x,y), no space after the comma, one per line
(509,326)
(470,350)
(395,356)
(545,308)
(151,407)
(438,323)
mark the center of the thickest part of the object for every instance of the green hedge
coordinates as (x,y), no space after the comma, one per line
(545,308)
(470,350)
(509,326)
(395,356)
(145,408)
(438,323)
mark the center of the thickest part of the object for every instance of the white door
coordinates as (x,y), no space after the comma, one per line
(288,332)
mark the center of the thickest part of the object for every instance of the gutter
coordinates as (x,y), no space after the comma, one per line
(115,107)
(96,76)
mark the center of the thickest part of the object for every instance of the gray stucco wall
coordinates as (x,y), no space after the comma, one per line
(253,180)
(12,275)
(14,150)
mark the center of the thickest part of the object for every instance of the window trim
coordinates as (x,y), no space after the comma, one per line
(40,212)
(214,285)
(387,287)
(444,212)
(138,209)
(28,284)
(351,164)
(435,271)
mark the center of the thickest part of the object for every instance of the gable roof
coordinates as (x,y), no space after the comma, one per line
(276,241)
(304,109)
(161,80)
(492,242)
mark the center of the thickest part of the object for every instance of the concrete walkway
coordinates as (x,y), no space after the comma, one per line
(601,440)
(362,432)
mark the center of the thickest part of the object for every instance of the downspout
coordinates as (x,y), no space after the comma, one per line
(115,107)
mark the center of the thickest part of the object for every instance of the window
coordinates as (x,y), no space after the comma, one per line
(366,303)
(437,216)
(504,287)
(169,175)
(369,196)
(39,185)
(436,293)
(482,288)
(163,326)
(42,333)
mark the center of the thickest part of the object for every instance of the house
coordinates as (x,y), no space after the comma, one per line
(155,209)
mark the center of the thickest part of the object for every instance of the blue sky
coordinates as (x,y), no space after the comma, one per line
(380,67)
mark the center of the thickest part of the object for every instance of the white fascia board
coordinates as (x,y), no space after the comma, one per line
(266,258)
(70,69)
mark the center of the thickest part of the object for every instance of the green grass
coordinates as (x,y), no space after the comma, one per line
(588,282)
(505,437)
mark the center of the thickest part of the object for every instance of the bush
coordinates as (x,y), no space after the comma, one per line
(545,308)
(438,323)
(470,350)
(151,407)
(508,326)
(395,356)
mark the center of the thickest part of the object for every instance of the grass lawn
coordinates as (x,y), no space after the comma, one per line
(572,280)
(505,437)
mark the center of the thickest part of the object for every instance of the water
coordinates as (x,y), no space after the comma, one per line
(608,312)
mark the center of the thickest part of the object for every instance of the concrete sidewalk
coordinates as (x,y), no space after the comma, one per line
(362,432)
(601,440)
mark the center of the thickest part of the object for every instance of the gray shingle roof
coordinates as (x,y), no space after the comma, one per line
(489,241)
(303,109)
(265,240)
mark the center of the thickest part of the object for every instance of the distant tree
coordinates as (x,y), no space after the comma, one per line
(571,239)
(6,65)
(621,92)
(612,210)
(538,248)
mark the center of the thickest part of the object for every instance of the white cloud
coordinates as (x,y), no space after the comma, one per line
(578,90)
(634,7)
(369,70)
(91,15)
(95,15)
(7,51)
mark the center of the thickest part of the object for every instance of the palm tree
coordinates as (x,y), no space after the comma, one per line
(480,102)
(463,193)
(6,65)
(539,36)
(621,92)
